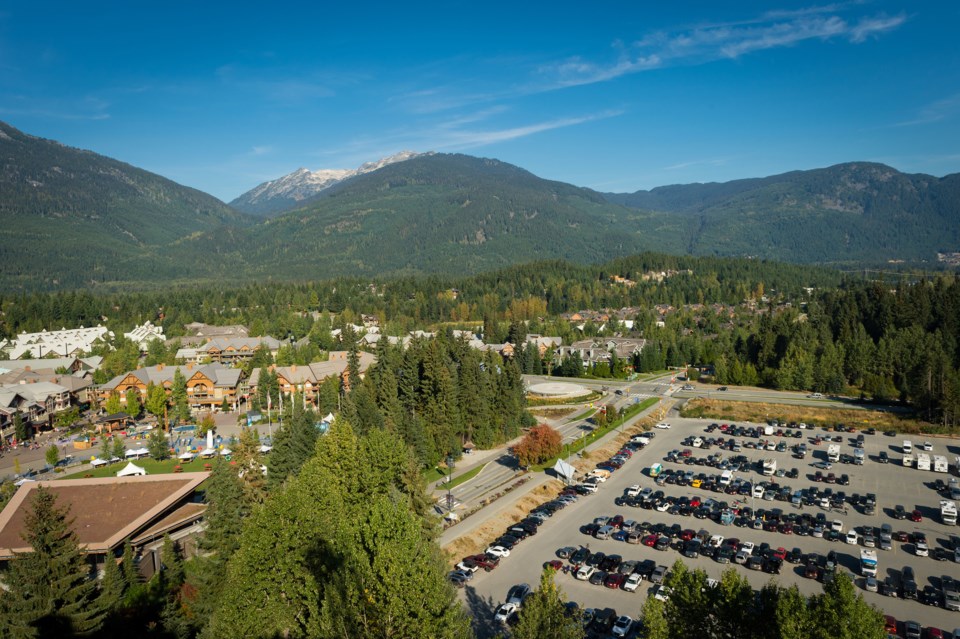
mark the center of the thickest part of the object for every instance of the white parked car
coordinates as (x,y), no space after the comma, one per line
(622,626)
(504,611)
(927,446)
(633,491)
(632,582)
(585,572)
(663,425)
(498,551)
(715,541)
(853,537)
(836,526)
(758,491)
(921,549)
(747,545)
(661,592)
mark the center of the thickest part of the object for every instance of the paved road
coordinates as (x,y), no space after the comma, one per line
(892,483)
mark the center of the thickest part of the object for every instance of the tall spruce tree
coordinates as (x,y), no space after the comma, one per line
(50,593)
(293,445)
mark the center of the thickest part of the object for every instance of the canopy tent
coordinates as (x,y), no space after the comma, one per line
(131,469)
(207,453)
(564,470)
(137,452)
(187,456)
(264,448)
(329,418)
(96,462)
(225,452)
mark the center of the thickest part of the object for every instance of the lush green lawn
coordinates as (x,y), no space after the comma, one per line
(152,467)
(465,477)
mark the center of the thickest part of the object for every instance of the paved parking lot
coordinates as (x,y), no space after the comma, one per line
(892,484)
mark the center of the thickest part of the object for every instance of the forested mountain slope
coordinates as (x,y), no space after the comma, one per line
(858,212)
(71,215)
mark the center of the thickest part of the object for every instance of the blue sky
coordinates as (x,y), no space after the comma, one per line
(616,96)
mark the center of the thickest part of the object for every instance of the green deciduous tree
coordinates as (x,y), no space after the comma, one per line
(132,401)
(52,455)
(156,403)
(50,593)
(841,613)
(113,404)
(544,615)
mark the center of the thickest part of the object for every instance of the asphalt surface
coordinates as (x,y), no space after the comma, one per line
(891,482)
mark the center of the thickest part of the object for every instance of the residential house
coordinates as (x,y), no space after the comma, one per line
(233,350)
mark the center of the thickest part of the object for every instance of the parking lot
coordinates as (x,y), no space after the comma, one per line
(891,483)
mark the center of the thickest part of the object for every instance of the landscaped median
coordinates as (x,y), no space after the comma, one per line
(589,438)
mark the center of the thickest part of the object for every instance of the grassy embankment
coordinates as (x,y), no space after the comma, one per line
(758,412)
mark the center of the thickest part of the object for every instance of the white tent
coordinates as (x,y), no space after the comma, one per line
(265,449)
(131,469)
(187,456)
(138,453)
(207,453)
(96,462)
(329,418)
(226,451)
(565,470)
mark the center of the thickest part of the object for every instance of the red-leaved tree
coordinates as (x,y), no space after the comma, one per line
(539,445)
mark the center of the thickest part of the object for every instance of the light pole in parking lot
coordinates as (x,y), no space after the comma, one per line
(450,466)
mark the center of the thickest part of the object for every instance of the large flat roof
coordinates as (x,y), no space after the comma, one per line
(105,511)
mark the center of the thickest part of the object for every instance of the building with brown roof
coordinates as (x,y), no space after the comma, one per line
(107,511)
(207,386)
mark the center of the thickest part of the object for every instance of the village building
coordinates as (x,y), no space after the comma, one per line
(208,387)
(141,508)
(63,343)
(307,379)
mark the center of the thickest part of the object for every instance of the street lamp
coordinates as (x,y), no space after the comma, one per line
(450,467)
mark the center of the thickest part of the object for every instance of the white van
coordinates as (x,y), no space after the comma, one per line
(907,447)
(726,478)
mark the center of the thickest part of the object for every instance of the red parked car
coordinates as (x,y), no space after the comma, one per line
(614,580)
(916,516)
(650,540)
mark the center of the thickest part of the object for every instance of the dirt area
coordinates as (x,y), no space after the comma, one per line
(759,413)
(552,413)
(481,537)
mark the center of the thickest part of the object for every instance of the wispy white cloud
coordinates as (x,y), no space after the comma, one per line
(690,163)
(935,111)
(703,44)
(455,134)
(84,108)
(261,150)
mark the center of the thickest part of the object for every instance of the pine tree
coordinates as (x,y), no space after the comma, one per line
(178,396)
(293,445)
(158,445)
(50,592)
(113,587)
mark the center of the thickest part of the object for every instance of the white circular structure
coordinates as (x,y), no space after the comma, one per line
(558,390)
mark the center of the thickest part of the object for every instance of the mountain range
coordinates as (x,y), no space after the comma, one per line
(298,188)
(74,218)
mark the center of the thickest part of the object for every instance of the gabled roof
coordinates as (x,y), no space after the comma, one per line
(105,511)
(219,374)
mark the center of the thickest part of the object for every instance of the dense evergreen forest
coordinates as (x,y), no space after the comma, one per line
(749,321)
